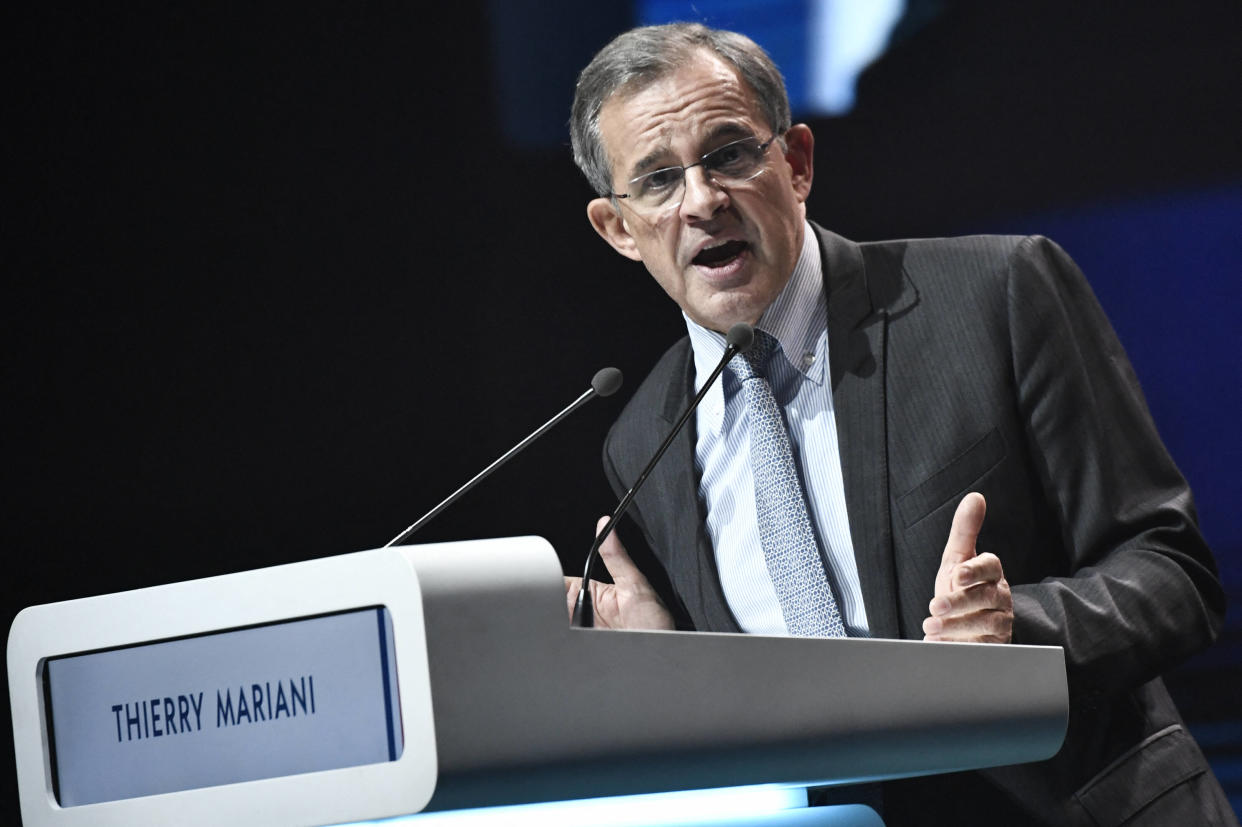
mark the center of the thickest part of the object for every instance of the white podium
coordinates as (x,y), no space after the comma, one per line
(446,676)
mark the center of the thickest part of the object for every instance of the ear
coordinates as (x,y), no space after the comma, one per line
(609,223)
(800,155)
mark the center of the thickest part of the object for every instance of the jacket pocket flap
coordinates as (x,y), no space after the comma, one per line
(952,479)
(1153,767)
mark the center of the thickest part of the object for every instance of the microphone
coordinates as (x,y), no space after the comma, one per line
(739,339)
(606,382)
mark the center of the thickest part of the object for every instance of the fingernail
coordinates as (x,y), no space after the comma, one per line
(939,606)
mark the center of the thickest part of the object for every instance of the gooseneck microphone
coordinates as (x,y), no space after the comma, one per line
(739,339)
(605,383)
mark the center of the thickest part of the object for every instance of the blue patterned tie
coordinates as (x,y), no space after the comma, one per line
(785,532)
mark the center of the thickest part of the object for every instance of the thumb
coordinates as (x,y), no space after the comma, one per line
(967,521)
(617,559)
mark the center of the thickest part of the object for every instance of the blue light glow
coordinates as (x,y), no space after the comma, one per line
(821,46)
(846,36)
(694,806)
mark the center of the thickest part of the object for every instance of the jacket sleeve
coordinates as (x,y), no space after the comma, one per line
(1143,592)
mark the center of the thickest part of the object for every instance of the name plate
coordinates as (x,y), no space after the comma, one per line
(292,697)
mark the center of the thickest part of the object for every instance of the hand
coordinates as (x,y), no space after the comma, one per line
(629,602)
(972,601)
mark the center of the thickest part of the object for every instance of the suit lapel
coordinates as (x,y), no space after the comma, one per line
(691,548)
(856,343)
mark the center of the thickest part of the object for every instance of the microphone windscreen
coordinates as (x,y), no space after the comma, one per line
(741,336)
(606,382)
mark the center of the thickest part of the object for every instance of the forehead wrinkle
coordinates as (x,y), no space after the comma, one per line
(663,127)
(666,108)
(656,158)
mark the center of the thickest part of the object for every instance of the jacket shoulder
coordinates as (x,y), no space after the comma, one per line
(962,255)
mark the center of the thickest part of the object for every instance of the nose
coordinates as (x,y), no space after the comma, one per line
(702,197)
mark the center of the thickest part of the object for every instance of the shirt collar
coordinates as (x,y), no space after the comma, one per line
(797,319)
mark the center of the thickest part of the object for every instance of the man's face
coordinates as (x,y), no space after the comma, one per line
(725,252)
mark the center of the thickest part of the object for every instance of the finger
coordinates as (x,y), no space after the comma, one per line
(995,626)
(572,586)
(967,521)
(984,596)
(986,568)
(617,560)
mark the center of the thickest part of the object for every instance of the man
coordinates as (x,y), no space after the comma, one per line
(901,386)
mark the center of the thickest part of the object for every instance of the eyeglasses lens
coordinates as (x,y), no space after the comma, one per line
(733,163)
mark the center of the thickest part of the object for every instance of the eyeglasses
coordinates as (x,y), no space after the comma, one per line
(733,163)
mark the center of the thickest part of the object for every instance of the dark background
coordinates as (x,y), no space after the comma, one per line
(278,280)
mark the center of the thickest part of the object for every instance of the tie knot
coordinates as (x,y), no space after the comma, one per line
(754,361)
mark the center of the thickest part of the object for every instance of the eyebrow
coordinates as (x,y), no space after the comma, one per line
(654,159)
(736,131)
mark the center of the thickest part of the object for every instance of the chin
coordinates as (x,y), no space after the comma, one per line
(722,317)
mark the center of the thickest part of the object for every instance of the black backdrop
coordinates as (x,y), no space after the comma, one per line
(276,282)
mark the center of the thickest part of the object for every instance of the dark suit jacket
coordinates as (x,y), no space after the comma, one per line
(986,364)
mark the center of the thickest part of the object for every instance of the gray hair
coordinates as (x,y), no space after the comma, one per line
(640,57)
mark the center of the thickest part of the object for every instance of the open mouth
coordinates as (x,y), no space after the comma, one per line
(721,254)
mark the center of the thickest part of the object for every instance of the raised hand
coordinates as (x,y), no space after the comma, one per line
(629,602)
(972,601)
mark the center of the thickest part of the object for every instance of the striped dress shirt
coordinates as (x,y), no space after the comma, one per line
(802,385)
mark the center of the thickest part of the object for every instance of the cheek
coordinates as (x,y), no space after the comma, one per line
(659,248)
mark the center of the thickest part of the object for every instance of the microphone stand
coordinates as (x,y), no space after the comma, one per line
(604,383)
(740,338)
